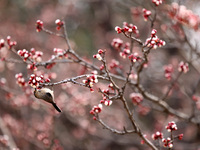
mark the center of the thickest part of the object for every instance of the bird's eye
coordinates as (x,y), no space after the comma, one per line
(49,95)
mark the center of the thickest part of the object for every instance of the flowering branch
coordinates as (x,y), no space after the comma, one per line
(123,75)
(73,80)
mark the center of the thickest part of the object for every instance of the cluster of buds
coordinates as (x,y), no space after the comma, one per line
(60,52)
(20,80)
(180,136)
(39,25)
(24,53)
(107,91)
(136,98)
(184,16)
(127,28)
(146,14)
(35,81)
(124,48)
(117,43)
(59,24)
(171,126)
(114,64)
(36,55)
(157,2)
(32,67)
(125,53)
(167,142)
(168,71)
(90,80)
(134,57)
(154,41)
(10,43)
(105,100)
(157,135)
(183,67)
(100,54)
(96,110)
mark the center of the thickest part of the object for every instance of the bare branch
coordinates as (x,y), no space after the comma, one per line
(105,126)
(171,86)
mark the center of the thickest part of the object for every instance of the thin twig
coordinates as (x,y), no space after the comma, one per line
(66,36)
(171,86)
(108,75)
(73,80)
(105,126)
(165,106)
(154,17)
(135,126)
(52,33)
(133,38)
(127,78)
(115,97)
(13,61)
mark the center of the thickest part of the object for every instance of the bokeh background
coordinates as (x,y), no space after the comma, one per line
(32,124)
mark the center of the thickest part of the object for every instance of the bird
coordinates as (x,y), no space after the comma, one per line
(47,95)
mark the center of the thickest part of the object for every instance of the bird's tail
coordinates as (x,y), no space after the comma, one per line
(56,107)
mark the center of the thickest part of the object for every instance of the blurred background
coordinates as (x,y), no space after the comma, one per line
(32,124)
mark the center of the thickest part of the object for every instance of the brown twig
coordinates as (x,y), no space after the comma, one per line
(135,126)
(133,38)
(108,75)
(105,126)
(171,86)
(73,80)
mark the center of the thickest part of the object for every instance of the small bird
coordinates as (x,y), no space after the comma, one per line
(47,95)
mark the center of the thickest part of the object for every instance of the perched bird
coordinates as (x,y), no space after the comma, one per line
(47,95)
